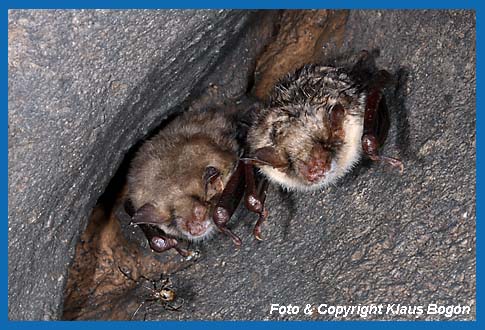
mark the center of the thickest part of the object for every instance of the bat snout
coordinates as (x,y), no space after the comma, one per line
(317,166)
(199,222)
(197,228)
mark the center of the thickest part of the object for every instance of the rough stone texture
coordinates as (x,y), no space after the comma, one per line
(84,87)
(378,237)
(298,41)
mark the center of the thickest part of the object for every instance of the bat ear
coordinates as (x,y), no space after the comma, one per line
(267,156)
(212,181)
(147,214)
(337,115)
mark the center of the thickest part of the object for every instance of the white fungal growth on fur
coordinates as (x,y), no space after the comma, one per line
(311,128)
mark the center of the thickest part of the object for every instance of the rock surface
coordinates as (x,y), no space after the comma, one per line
(378,237)
(84,87)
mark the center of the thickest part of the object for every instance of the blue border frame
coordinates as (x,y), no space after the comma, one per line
(5,5)
(249,4)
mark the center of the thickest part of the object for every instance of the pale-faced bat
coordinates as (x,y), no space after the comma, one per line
(318,123)
(177,178)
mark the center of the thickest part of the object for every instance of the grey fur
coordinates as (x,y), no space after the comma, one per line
(297,118)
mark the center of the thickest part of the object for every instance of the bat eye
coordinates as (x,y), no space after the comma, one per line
(210,173)
(212,181)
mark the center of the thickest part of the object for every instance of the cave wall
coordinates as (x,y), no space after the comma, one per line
(84,87)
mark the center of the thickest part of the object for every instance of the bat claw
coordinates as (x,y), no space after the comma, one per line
(235,239)
(394,162)
(257,235)
(257,227)
(185,253)
(188,254)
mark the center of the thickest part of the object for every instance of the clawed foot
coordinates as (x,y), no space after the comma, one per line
(394,162)
(221,216)
(189,254)
(235,239)
(257,227)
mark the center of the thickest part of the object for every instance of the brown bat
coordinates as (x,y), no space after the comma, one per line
(318,123)
(178,177)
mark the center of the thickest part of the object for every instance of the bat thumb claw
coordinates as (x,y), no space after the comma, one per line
(257,234)
(235,239)
(394,162)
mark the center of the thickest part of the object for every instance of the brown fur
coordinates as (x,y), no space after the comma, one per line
(168,170)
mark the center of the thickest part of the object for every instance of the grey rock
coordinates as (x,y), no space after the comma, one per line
(378,237)
(84,87)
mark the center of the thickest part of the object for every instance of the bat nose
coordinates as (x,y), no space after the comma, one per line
(197,228)
(200,212)
(317,165)
(199,223)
